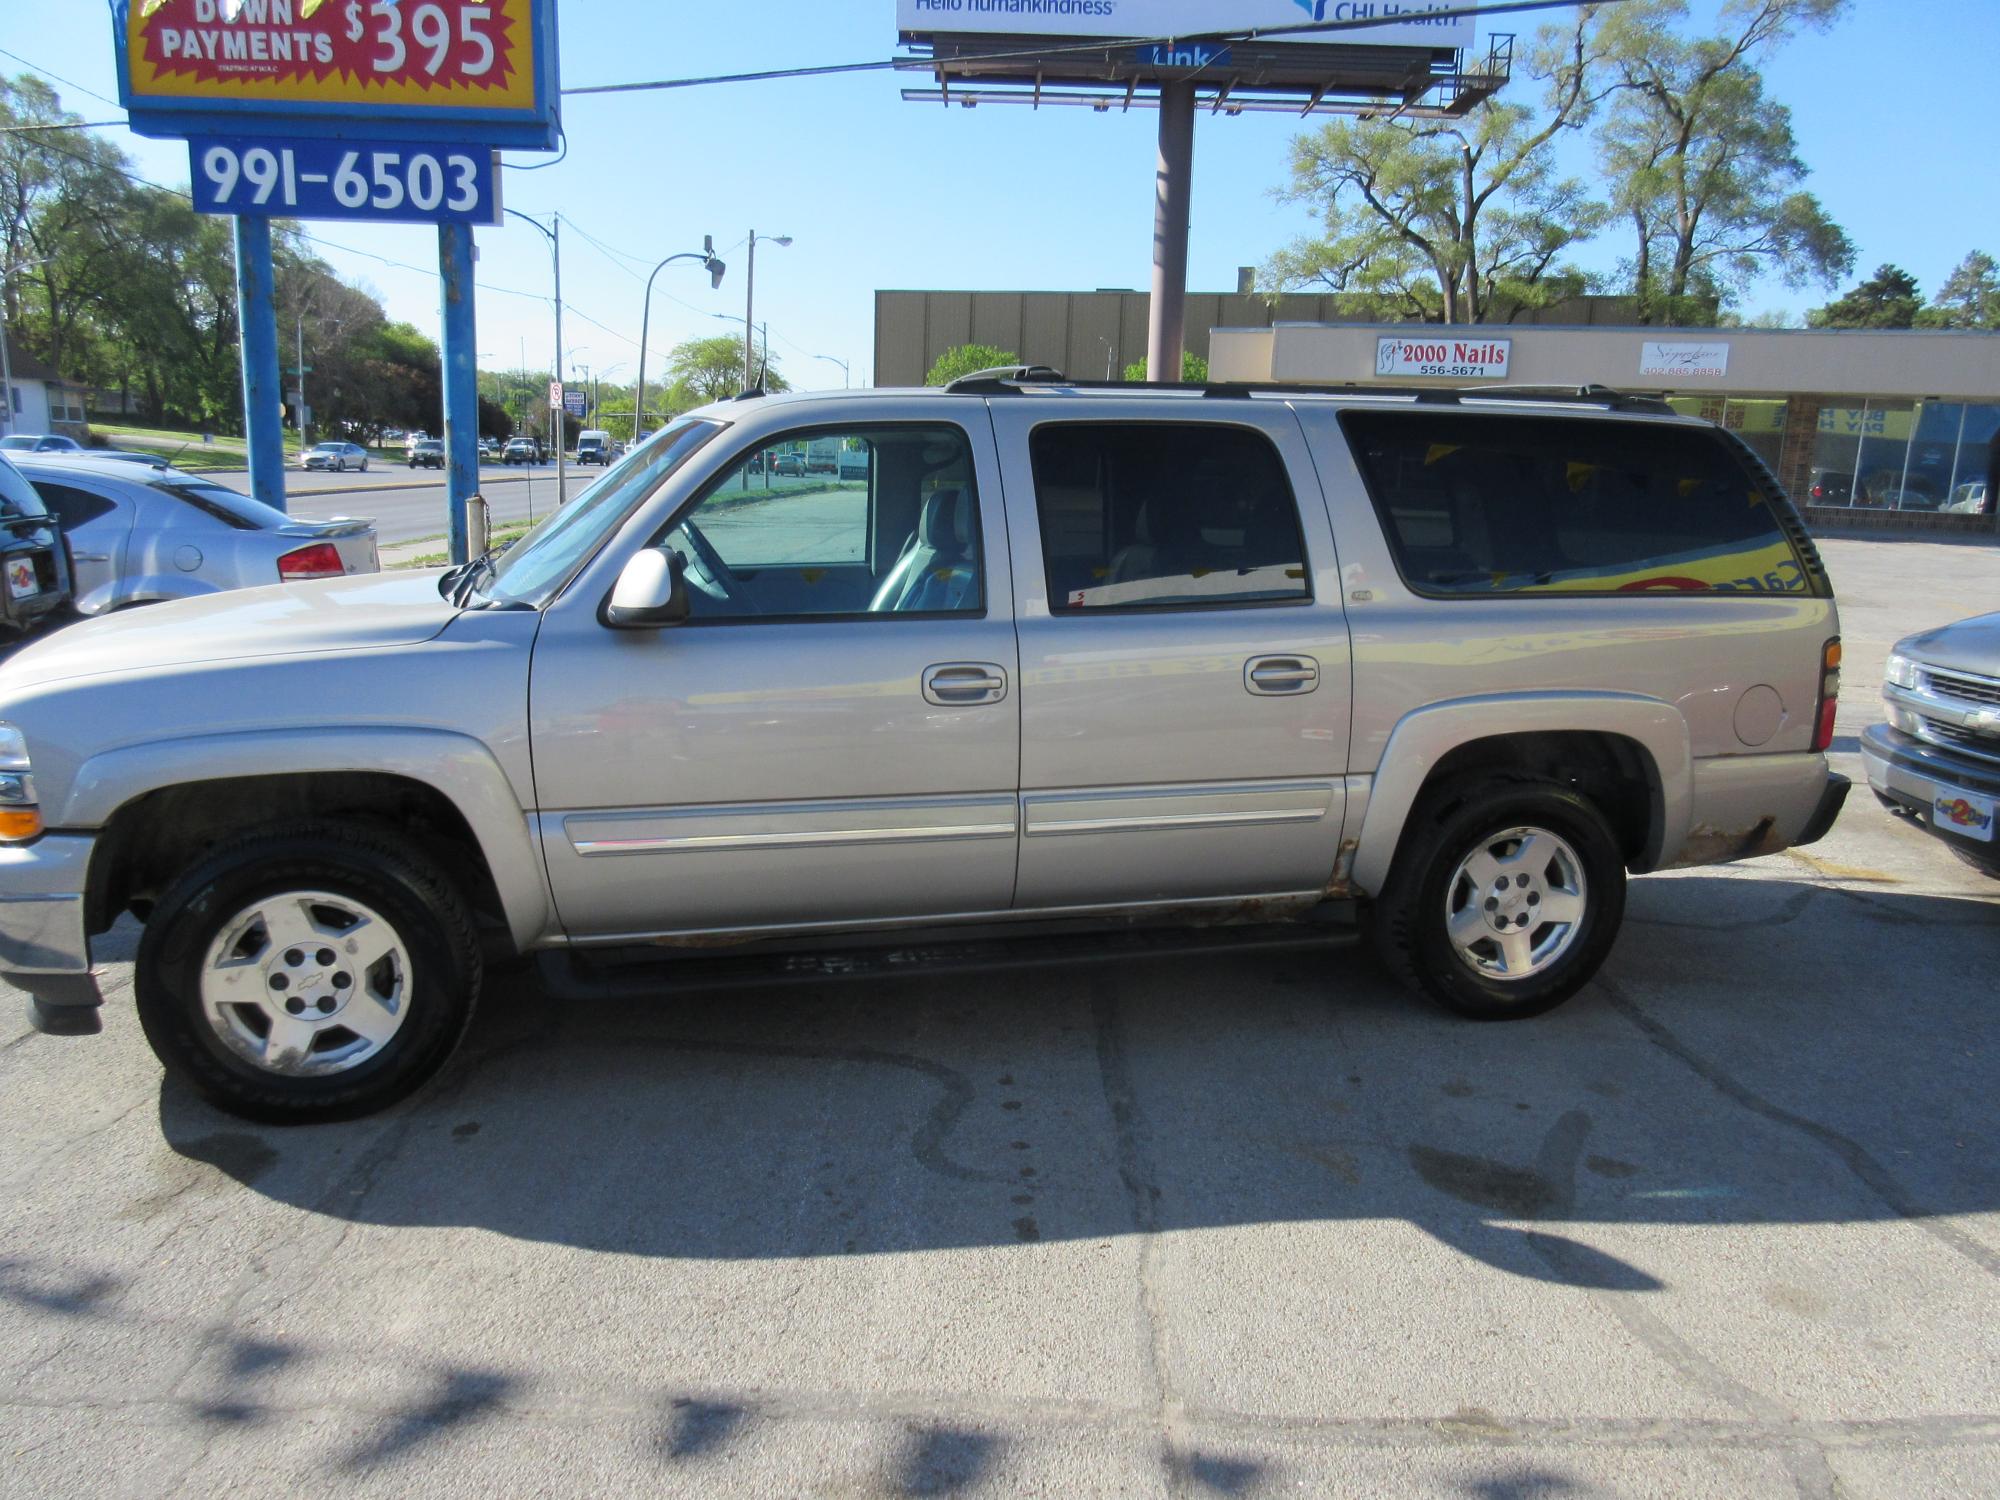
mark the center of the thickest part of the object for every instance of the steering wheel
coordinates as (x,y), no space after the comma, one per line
(714,570)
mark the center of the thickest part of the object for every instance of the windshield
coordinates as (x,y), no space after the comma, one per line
(17,444)
(18,497)
(542,561)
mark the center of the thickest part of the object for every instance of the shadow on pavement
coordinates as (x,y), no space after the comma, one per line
(1758,1051)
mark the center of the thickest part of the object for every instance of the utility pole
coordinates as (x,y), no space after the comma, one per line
(1166,330)
(715,268)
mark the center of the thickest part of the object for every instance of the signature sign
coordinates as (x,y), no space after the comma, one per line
(1660,358)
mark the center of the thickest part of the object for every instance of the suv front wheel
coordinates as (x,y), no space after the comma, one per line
(1505,898)
(310,974)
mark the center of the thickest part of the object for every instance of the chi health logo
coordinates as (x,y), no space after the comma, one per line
(1315,8)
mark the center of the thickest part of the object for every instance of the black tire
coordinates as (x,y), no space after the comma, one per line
(1985,866)
(411,894)
(1409,922)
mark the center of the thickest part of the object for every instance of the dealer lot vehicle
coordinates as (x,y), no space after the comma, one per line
(337,456)
(22,443)
(1064,656)
(141,536)
(1938,756)
(35,577)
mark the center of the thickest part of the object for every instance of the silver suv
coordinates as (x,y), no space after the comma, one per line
(1038,657)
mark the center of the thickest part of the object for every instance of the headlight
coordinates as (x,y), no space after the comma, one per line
(1902,672)
(20,817)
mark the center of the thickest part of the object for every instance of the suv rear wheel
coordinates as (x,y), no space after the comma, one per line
(1505,898)
(310,974)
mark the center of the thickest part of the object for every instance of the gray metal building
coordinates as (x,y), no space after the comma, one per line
(1085,333)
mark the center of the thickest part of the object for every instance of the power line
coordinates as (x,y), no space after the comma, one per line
(1287,31)
(51,73)
(75,125)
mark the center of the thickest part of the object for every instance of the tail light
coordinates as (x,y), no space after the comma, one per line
(1818,492)
(1829,692)
(320,560)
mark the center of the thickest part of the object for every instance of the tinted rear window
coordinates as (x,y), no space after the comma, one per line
(17,496)
(224,505)
(1165,515)
(1486,504)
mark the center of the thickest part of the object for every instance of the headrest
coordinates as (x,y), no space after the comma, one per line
(947,521)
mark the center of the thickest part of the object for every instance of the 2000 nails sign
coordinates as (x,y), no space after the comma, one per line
(451,53)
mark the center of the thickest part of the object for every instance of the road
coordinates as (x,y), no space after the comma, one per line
(409,503)
(1727,1224)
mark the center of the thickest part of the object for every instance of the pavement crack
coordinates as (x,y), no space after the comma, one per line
(1851,1153)
(1138,1173)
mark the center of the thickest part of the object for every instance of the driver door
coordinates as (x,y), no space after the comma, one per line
(832,736)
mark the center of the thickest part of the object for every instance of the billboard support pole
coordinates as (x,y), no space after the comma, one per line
(461,380)
(1172,188)
(257,333)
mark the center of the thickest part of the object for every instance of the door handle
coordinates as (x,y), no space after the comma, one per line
(953,684)
(90,557)
(1270,676)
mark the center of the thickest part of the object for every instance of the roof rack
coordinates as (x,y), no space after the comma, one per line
(1011,380)
(1004,379)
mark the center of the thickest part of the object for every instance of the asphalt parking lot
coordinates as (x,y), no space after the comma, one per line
(1727,1224)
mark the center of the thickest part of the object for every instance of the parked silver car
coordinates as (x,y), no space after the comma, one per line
(1938,757)
(1454,664)
(338,457)
(138,536)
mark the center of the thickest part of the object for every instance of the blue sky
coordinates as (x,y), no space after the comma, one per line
(1892,110)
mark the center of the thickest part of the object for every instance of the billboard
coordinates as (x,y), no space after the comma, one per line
(1436,354)
(1404,22)
(428,69)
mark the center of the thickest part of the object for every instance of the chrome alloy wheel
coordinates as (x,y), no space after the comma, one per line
(1516,903)
(306,983)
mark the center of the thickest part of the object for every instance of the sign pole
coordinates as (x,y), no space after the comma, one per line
(461,380)
(1172,187)
(263,394)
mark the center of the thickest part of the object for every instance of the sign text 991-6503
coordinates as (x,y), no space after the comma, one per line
(310,179)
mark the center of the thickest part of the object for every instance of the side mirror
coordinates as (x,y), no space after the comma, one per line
(650,592)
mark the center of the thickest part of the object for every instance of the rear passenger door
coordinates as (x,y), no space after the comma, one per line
(1184,653)
(98,527)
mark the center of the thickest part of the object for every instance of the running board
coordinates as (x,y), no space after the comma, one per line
(629,973)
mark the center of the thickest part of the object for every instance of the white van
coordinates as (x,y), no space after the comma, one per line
(593,447)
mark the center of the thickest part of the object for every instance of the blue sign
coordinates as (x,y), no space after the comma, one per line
(1182,56)
(399,181)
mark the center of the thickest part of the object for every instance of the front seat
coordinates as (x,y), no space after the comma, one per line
(935,571)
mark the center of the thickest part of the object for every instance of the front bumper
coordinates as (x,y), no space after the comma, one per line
(1914,775)
(44,948)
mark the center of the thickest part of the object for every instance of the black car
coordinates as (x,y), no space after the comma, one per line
(34,570)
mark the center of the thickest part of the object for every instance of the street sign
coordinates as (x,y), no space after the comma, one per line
(387,181)
(574,403)
(555,395)
(446,70)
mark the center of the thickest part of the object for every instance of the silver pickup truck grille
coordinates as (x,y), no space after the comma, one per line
(1970,741)
(1963,685)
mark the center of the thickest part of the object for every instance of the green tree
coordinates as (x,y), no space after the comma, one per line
(1703,166)
(1969,298)
(1453,220)
(1194,369)
(709,369)
(963,359)
(1888,299)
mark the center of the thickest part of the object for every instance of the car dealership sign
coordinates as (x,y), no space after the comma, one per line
(1404,22)
(1433,354)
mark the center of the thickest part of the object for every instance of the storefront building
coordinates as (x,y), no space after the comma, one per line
(1865,428)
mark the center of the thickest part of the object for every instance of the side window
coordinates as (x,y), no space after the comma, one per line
(71,506)
(1485,504)
(861,522)
(1164,516)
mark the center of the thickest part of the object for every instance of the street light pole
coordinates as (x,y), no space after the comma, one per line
(715,268)
(830,359)
(558,420)
(749,307)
